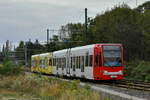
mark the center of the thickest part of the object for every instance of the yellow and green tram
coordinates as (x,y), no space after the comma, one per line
(42,63)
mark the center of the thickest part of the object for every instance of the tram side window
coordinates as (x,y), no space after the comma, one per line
(100,60)
(32,63)
(79,62)
(90,60)
(96,60)
(35,63)
(71,62)
(40,63)
(60,63)
(57,62)
(46,62)
(86,61)
(54,62)
(74,61)
(64,62)
(50,62)
(83,61)
(43,61)
(76,64)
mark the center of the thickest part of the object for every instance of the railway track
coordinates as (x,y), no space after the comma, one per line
(143,86)
(129,84)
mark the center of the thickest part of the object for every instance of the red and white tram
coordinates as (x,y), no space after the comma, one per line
(96,62)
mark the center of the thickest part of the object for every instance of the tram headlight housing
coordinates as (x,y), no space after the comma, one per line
(120,72)
(113,73)
(105,72)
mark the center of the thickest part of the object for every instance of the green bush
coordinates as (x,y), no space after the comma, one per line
(9,68)
(138,70)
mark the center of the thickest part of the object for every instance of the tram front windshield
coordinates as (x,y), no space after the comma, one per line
(112,56)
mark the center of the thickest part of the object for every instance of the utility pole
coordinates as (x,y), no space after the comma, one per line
(47,36)
(25,53)
(85,25)
(136,2)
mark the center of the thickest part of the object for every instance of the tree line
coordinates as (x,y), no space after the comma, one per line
(121,24)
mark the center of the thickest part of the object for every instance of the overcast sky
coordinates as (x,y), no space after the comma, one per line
(24,19)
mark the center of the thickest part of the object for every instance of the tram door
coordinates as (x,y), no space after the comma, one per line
(68,61)
(82,63)
(98,69)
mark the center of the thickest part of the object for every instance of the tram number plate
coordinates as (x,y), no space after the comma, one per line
(113,76)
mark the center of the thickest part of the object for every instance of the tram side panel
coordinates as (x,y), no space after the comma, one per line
(81,62)
(59,65)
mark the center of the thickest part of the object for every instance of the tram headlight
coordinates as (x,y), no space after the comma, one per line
(105,72)
(120,72)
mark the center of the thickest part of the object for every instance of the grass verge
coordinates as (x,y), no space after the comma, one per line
(44,88)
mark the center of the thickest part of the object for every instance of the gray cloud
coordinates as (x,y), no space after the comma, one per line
(24,19)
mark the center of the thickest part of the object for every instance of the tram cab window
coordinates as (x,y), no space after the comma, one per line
(112,56)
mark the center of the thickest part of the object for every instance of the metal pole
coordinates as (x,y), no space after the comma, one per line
(47,36)
(25,51)
(85,25)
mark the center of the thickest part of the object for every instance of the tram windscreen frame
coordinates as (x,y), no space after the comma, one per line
(112,55)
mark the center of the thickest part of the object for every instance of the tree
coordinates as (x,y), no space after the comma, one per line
(120,25)
(20,53)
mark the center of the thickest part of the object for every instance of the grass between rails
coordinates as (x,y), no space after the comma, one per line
(44,88)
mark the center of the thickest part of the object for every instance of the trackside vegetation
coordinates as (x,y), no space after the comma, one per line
(138,70)
(14,83)
(8,67)
(44,88)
